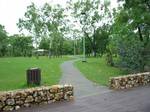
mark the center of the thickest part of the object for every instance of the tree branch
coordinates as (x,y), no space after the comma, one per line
(140,33)
(88,37)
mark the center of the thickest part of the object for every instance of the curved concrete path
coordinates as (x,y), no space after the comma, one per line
(93,98)
(82,86)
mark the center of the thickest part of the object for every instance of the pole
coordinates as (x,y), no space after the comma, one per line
(84,57)
(74,47)
(37,53)
(50,48)
(49,54)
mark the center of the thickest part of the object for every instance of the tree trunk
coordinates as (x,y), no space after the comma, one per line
(140,34)
(92,43)
(142,59)
(94,52)
(109,58)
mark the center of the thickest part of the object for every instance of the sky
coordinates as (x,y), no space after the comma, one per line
(12,10)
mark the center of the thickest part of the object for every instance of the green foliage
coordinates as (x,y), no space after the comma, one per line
(129,50)
(3,41)
(68,46)
(16,45)
(130,34)
(20,45)
(90,15)
(102,38)
(44,44)
(32,22)
(46,22)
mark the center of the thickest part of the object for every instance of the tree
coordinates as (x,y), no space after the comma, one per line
(48,22)
(3,41)
(90,15)
(102,38)
(32,23)
(21,45)
(131,33)
(55,27)
(44,44)
(68,46)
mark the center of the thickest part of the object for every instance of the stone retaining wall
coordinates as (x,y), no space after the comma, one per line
(129,81)
(13,100)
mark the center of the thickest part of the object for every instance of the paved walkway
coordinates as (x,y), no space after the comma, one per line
(82,86)
(93,98)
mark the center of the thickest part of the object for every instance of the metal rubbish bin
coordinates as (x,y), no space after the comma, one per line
(33,76)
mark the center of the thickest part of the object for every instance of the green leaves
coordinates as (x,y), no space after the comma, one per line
(31,21)
(3,41)
(20,45)
(48,22)
(131,34)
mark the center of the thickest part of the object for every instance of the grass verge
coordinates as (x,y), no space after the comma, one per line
(96,70)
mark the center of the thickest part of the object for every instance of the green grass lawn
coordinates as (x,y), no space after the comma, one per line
(98,71)
(13,71)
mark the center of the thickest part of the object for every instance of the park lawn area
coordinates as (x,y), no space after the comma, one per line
(96,70)
(13,71)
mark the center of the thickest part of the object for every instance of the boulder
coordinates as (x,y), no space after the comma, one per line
(10,101)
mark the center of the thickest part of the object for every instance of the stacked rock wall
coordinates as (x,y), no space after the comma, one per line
(129,81)
(13,100)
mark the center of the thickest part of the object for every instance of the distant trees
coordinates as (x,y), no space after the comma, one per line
(47,25)
(32,23)
(68,46)
(20,45)
(91,16)
(16,45)
(44,44)
(3,41)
